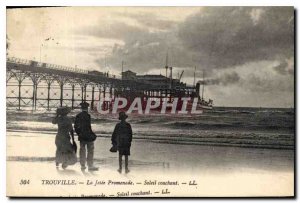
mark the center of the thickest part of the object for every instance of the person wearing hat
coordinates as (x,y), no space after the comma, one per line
(86,137)
(122,137)
(65,153)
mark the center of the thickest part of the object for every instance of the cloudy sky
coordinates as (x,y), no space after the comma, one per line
(246,53)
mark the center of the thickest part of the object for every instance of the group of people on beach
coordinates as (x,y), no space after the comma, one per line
(66,147)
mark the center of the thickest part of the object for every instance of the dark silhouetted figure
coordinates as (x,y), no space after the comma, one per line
(65,152)
(122,137)
(86,136)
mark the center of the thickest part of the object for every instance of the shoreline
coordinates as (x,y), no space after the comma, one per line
(177,139)
(145,152)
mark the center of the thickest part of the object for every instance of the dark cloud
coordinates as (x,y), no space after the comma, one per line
(216,37)
(224,79)
(228,43)
(141,52)
(256,83)
(230,36)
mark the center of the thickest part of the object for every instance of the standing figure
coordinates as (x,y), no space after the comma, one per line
(122,137)
(65,152)
(86,136)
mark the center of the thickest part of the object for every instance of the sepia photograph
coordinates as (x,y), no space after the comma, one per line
(142,102)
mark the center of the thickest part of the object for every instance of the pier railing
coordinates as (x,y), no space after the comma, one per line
(53,66)
(45,65)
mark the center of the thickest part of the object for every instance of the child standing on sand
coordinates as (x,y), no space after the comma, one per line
(122,137)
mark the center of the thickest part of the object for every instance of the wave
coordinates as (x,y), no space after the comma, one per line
(212,126)
(181,124)
(221,138)
(233,112)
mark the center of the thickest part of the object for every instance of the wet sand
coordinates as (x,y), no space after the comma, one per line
(218,171)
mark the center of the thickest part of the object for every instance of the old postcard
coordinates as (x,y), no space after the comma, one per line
(150,102)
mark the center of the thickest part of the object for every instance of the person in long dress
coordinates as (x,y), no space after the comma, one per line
(122,138)
(65,150)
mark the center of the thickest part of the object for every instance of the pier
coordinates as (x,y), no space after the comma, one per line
(43,85)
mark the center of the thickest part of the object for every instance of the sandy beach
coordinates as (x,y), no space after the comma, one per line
(218,171)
